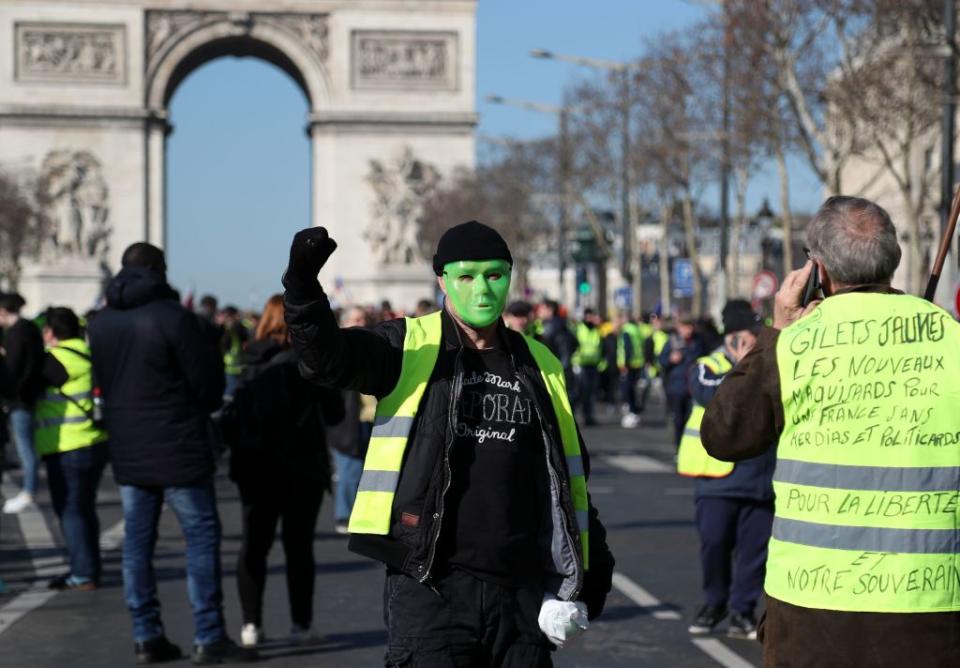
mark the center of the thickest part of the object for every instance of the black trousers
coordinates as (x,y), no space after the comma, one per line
(297,503)
(679,406)
(465,623)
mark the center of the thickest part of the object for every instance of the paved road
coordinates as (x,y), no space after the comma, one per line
(647,509)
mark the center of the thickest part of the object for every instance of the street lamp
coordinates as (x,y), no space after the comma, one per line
(764,220)
(622,72)
(563,171)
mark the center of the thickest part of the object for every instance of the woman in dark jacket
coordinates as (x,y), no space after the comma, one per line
(23,344)
(279,461)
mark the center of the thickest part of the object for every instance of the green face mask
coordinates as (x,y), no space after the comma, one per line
(478,289)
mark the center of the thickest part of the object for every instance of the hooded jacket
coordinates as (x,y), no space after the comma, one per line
(160,378)
(369,361)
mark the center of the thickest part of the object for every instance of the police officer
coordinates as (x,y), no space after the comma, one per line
(734,502)
(862,391)
(73,446)
(474,485)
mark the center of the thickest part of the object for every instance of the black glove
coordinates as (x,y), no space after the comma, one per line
(308,253)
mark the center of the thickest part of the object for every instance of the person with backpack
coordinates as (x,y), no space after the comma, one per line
(71,440)
(278,458)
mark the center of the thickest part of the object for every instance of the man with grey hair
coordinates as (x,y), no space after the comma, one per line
(860,391)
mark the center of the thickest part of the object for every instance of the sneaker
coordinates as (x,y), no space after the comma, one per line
(157,650)
(18,503)
(630,421)
(341,528)
(742,626)
(65,582)
(707,619)
(251,635)
(222,651)
(304,635)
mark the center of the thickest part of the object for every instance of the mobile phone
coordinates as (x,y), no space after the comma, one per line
(812,291)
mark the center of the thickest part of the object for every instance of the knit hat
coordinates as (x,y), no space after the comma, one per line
(738,316)
(470,241)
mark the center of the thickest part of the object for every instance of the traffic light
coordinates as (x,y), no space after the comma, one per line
(583,285)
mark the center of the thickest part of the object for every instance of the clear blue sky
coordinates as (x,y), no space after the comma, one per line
(239,161)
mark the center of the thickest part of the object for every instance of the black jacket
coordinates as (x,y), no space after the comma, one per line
(349,437)
(369,361)
(275,423)
(160,379)
(24,345)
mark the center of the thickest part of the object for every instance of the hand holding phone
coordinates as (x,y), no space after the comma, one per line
(798,296)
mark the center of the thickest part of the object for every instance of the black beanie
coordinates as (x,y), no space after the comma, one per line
(470,241)
(738,316)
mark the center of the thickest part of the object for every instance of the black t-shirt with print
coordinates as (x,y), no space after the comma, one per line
(493,506)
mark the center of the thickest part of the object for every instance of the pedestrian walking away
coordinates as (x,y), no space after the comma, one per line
(278,458)
(161,378)
(734,502)
(474,489)
(859,390)
(23,343)
(72,443)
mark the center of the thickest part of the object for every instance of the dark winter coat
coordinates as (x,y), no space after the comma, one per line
(369,361)
(275,423)
(160,377)
(350,437)
(675,374)
(24,345)
(560,340)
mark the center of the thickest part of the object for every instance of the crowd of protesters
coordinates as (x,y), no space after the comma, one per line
(183,385)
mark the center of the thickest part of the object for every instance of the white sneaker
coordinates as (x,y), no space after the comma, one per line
(301,635)
(630,421)
(18,503)
(251,635)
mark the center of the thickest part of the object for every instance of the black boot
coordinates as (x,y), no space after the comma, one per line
(157,650)
(222,651)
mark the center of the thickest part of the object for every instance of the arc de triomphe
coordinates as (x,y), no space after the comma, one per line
(84,93)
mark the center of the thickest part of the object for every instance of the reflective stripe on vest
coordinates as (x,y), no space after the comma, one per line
(868,465)
(553,377)
(61,423)
(395,417)
(391,427)
(692,458)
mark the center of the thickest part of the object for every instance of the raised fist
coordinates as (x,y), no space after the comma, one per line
(308,253)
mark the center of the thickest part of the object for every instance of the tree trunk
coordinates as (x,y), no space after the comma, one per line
(786,216)
(665,213)
(690,235)
(733,269)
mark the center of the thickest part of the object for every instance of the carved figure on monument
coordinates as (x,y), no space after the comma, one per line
(400,188)
(54,51)
(75,197)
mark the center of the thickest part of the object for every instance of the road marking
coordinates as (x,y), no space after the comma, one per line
(642,597)
(720,653)
(638,464)
(36,537)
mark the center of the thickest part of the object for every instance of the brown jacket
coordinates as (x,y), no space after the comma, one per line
(743,419)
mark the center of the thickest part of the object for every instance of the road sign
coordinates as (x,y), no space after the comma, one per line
(682,277)
(764,285)
(623,298)
(956,301)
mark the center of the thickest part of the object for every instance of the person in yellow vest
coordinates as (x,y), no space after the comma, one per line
(630,362)
(861,390)
(73,446)
(234,340)
(734,502)
(474,488)
(588,362)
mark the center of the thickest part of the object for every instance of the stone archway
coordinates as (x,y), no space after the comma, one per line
(391,99)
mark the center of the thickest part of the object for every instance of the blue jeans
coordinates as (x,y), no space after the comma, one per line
(74,477)
(349,470)
(196,510)
(21,427)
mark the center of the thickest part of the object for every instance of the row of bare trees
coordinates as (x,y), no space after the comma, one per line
(851,87)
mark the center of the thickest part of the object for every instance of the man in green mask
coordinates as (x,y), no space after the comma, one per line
(474,491)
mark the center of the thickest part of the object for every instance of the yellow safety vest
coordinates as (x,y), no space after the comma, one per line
(590,350)
(63,414)
(660,339)
(868,465)
(636,341)
(397,411)
(692,458)
(231,358)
